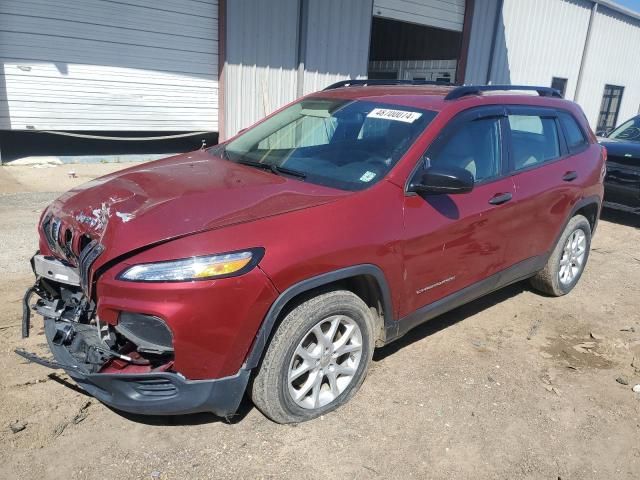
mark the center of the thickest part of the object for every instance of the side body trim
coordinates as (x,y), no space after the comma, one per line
(513,274)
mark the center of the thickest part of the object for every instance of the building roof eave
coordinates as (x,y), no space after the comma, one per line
(618,8)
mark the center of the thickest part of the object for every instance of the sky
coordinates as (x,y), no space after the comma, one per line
(630,4)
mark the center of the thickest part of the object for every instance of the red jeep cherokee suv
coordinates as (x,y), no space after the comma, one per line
(276,262)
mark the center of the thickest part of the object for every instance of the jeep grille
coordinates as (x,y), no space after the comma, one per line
(88,255)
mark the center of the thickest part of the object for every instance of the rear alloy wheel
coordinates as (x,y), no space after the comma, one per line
(567,261)
(573,256)
(317,358)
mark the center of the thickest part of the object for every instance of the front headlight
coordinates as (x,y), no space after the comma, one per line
(194,268)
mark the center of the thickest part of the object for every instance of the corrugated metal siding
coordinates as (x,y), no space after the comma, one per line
(447,14)
(261,59)
(540,39)
(103,65)
(338,33)
(482,27)
(612,59)
(261,68)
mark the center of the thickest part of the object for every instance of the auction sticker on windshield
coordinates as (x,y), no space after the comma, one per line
(390,114)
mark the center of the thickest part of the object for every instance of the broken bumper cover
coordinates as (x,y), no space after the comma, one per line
(162,393)
(165,393)
(153,393)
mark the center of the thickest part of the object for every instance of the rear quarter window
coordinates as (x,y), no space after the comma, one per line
(575,137)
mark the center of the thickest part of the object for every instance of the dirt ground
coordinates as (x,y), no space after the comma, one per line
(514,386)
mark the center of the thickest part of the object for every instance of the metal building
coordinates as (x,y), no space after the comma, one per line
(98,65)
(177,66)
(582,47)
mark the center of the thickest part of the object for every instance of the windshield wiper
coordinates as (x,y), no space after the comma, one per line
(273,168)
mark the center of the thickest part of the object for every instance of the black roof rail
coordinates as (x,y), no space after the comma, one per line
(465,90)
(365,83)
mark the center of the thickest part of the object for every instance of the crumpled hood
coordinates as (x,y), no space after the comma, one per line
(174,197)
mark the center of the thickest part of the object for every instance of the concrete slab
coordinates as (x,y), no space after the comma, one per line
(52,178)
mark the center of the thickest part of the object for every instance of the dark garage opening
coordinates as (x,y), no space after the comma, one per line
(401,50)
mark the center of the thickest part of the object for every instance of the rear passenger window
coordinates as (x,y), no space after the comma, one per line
(572,132)
(534,140)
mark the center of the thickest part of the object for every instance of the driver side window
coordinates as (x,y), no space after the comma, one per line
(474,146)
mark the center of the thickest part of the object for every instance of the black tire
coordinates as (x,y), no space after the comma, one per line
(548,279)
(270,389)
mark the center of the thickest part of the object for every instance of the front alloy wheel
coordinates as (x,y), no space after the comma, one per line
(325,362)
(317,359)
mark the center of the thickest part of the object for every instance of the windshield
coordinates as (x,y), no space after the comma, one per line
(628,131)
(346,144)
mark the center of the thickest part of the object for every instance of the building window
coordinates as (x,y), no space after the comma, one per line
(559,84)
(609,108)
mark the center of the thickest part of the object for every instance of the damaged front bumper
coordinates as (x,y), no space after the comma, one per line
(162,393)
(119,377)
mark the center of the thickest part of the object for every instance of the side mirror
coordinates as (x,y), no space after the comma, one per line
(442,180)
(604,132)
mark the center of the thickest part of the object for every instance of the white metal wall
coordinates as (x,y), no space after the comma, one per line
(262,58)
(536,40)
(337,45)
(447,14)
(612,59)
(105,65)
(540,39)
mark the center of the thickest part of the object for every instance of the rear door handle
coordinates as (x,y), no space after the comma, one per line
(500,198)
(570,176)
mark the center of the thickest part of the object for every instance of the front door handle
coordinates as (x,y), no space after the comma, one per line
(570,176)
(500,198)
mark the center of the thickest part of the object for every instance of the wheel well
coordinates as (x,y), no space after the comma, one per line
(590,212)
(364,286)
(367,288)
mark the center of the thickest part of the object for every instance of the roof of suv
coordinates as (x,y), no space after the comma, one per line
(437,97)
(430,97)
